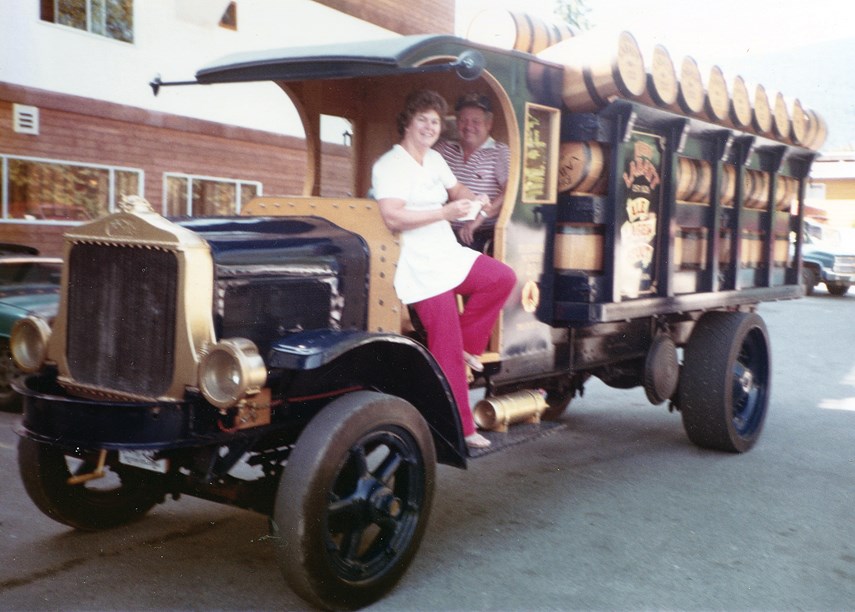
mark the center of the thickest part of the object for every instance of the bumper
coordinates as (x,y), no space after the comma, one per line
(50,415)
(839,279)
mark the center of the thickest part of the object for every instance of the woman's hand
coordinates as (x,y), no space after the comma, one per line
(456,209)
(398,219)
(467,232)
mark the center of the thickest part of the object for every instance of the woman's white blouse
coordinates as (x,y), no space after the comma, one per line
(431,261)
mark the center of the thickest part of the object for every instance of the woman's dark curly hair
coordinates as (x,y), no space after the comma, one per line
(419,102)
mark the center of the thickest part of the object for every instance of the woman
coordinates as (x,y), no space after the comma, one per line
(412,184)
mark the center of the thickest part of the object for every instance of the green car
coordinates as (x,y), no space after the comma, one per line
(29,284)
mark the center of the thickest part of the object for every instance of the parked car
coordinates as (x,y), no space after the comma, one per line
(29,285)
(828,257)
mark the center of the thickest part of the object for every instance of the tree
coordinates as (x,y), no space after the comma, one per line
(573,12)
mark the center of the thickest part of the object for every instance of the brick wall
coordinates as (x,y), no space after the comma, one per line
(83,130)
(435,17)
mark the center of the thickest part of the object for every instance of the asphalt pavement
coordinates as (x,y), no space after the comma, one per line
(617,511)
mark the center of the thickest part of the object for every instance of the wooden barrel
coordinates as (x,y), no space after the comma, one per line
(582,167)
(755,189)
(598,69)
(579,246)
(687,176)
(761,119)
(786,190)
(727,185)
(752,248)
(740,111)
(817,130)
(690,248)
(717,101)
(782,250)
(798,122)
(662,86)
(703,181)
(780,118)
(810,133)
(690,89)
(512,30)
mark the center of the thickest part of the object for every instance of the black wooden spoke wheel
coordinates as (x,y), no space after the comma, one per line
(725,381)
(124,494)
(354,500)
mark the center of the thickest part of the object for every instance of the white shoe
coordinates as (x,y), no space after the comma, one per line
(473,362)
(477,441)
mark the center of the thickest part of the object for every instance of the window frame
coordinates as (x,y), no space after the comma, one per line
(188,211)
(49,13)
(112,201)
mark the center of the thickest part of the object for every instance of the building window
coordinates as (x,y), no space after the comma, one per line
(205,196)
(229,18)
(110,18)
(52,190)
(815,191)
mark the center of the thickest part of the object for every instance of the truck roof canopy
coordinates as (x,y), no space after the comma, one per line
(357,59)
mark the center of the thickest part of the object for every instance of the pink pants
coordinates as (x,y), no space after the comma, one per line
(450,332)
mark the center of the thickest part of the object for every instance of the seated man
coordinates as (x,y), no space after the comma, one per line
(479,162)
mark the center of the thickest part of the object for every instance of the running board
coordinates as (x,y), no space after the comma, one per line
(516,434)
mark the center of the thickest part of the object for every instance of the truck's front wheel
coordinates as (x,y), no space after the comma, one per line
(810,278)
(354,499)
(121,496)
(837,289)
(725,381)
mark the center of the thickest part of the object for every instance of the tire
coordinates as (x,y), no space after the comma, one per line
(837,290)
(725,381)
(809,280)
(346,528)
(556,404)
(559,396)
(122,496)
(10,401)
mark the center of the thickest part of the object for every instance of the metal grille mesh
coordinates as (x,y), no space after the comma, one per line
(121,317)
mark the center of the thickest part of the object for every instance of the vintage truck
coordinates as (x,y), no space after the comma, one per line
(263,360)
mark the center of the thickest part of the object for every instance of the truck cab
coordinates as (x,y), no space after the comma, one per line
(828,257)
(643,237)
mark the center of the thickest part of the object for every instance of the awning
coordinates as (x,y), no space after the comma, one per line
(356,59)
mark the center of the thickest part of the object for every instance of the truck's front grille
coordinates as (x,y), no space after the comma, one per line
(844,264)
(121,317)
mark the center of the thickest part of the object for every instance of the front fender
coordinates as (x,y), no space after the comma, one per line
(386,362)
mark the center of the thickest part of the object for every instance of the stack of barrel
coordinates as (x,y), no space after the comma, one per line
(599,69)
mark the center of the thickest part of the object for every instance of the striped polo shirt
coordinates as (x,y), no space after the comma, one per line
(486,170)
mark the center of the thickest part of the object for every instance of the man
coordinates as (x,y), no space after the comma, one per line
(479,162)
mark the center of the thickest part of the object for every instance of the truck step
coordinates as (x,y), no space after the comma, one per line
(516,434)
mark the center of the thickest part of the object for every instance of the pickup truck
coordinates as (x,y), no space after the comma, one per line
(828,257)
(264,360)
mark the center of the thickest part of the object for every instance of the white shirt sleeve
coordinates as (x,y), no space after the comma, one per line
(387,181)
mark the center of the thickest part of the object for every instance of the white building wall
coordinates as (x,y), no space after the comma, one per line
(173,38)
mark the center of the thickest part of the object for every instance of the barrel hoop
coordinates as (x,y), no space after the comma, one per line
(591,88)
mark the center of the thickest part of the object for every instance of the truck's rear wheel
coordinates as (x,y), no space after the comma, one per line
(354,500)
(725,381)
(125,494)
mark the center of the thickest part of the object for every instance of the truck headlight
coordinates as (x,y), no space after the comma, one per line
(29,343)
(231,370)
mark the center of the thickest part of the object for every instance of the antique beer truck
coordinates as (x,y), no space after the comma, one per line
(263,360)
